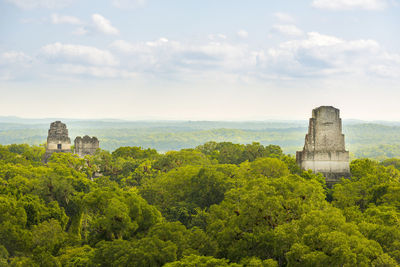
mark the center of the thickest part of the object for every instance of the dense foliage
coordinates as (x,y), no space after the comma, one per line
(220,204)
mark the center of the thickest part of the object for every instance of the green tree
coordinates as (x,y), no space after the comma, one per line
(324,238)
(3,256)
(76,256)
(47,240)
(200,261)
(144,252)
(243,224)
(180,192)
(193,241)
(116,214)
(13,235)
(135,153)
(175,159)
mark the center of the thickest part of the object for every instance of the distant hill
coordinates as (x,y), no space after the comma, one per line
(364,139)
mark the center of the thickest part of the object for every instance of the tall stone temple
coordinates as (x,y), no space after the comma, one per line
(58,141)
(324,149)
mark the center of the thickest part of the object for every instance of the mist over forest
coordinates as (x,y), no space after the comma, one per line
(378,139)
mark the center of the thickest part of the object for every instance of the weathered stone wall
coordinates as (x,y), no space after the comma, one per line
(324,149)
(86,145)
(57,139)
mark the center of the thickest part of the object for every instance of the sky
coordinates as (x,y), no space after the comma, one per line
(199,60)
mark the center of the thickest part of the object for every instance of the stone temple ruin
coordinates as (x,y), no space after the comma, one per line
(86,145)
(58,141)
(324,149)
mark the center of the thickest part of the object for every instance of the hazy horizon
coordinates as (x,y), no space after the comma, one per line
(4,119)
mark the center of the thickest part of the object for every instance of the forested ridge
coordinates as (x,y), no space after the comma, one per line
(219,204)
(379,140)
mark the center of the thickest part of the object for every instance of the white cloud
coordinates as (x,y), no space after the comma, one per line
(12,57)
(80,31)
(29,4)
(123,46)
(103,25)
(100,72)
(61,19)
(158,43)
(128,3)
(69,53)
(217,37)
(14,65)
(165,56)
(284,17)
(243,34)
(290,30)
(99,24)
(350,4)
(311,55)
(42,20)
(322,55)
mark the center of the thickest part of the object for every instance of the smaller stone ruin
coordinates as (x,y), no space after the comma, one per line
(57,139)
(86,145)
